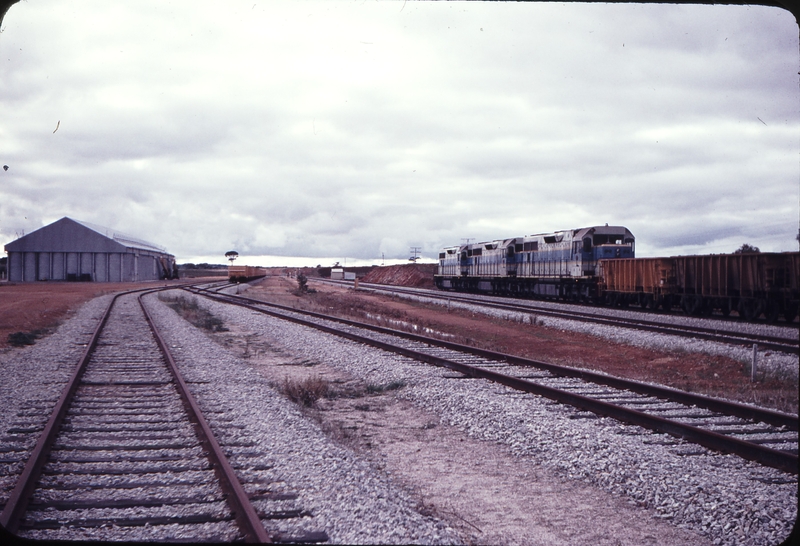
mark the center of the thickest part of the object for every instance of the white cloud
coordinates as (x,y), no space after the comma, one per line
(355,129)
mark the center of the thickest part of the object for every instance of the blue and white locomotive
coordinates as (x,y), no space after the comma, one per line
(560,265)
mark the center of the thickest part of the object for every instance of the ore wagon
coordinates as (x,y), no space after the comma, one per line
(751,284)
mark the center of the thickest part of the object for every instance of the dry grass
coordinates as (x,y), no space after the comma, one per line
(189,309)
(391,386)
(20,339)
(305,392)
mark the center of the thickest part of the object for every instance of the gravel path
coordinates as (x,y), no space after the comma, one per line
(727,499)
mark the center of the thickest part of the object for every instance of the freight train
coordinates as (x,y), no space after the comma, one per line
(244,273)
(598,265)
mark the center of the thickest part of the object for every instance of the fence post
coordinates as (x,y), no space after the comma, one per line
(755,360)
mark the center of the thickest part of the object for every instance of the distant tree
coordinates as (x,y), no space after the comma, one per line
(747,249)
(302,282)
(231,255)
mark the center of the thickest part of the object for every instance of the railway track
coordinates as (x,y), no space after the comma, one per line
(765,436)
(720,332)
(128,455)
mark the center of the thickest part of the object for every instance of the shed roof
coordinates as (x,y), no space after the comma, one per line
(127,240)
(75,236)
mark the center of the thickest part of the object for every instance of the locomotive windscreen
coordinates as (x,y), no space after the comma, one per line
(603,239)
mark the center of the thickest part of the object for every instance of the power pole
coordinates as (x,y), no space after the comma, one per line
(415,257)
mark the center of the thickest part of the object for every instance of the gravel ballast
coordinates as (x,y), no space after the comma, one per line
(346,497)
(727,499)
(32,381)
(768,362)
(723,498)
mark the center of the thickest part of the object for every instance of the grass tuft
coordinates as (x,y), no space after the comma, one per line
(391,386)
(20,339)
(305,392)
(190,310)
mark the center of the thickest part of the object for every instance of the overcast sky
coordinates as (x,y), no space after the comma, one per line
(358,130)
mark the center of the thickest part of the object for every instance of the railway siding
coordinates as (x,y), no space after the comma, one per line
(769,362)
(337,491)
(718,496)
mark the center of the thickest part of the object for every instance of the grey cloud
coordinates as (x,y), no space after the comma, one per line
(286,135)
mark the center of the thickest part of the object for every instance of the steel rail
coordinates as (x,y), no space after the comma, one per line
(744,411)
(787,462)
(26,483)
(773,343)
(20,496)
(244,512)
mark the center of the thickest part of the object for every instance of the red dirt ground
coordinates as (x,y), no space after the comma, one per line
(711,375)
(28,307)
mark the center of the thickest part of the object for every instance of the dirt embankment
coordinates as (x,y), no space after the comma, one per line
(416,275)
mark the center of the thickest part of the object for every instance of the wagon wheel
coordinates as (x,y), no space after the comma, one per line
(691,304)
(790,312)
(761,307)
(726,307)
(666,304)
(747,309)
(771,310)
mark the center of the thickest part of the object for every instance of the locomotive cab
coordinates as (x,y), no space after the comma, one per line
(599,243)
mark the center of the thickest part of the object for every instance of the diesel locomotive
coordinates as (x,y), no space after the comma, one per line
(598,265)
(562,264)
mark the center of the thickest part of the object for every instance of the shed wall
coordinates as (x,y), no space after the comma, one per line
(75,266)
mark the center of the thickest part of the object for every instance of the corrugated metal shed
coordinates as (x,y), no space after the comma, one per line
(79,251)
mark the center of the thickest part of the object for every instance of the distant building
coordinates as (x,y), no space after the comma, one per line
(68,250)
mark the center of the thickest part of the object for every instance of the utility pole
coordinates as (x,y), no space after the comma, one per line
(415,257)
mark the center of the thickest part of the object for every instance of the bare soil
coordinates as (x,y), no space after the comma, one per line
(38,308)
(417,275)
